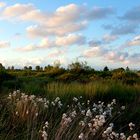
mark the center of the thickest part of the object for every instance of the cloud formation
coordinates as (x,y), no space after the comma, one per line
(45,43)
(64,20)
(122,29)
(95,51)
(2,4)
(4,44)
(133,15)
(56,53)
(69,40)
(99,13)
(43,31)
(106,39)
(17,10)
(135,41)
(106,54)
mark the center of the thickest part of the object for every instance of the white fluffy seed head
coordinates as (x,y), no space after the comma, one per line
(81,136)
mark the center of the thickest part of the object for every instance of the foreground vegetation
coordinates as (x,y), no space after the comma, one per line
(71,103)
(30,117)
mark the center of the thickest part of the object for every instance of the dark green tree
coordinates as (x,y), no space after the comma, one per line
(37,68)
(106,69)
(25,68)
(12,68)
(48,68)
(30,67)
(1,67)
(127,69)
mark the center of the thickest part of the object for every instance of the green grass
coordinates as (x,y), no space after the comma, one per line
(100,90)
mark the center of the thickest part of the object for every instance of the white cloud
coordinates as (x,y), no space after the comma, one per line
(106,55)
(134,42)
(56,53)
(3,61)
(4,44)
(109,38)
(27,48)
(2,4)
(32,61)
(35,15)
(94,51)
(45,43)
(43,31)
(28,12)
(116,56)
(64,20)
(36,31)
(69,40)
(23,61)
(65,15)
(17,10)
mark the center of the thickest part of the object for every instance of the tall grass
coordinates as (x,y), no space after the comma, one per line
(100,90)
(29,117)
(23,117)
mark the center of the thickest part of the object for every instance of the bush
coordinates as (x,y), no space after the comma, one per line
(55,72)
(66,77)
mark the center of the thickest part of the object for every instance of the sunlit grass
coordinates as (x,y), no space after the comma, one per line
(97,90)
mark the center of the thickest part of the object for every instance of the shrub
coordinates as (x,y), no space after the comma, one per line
(66,77)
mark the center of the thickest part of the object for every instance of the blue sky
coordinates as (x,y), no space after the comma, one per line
(101,32)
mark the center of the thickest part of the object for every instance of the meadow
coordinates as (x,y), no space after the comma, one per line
(79,102)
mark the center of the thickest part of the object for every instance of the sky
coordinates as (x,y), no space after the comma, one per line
(40,32)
